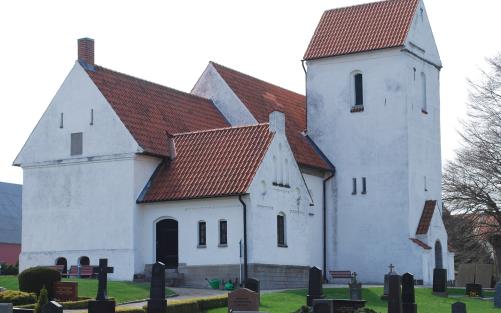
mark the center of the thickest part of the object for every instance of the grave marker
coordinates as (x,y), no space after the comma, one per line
(473,290)
(323,306)
(458,307)
(315,290)
(440,282)
(102,304)
(355,288)
(52,307)
(157,302)
(66,291)
(497,296)
(394,296)
(408,294)
(387,282)
(243,299)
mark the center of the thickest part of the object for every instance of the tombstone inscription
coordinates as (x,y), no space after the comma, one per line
(440,282)
(243,299)
(408,294)
(394,296)
(458,307)
(102,304)
(157,302)
(66,291)
(315,290)
(52,307)
(497,296)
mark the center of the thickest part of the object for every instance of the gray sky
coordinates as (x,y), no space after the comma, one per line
(171,42)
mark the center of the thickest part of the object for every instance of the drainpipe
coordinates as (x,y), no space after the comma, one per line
(244,206)
(324,208)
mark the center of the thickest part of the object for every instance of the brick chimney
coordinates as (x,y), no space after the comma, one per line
(86,50)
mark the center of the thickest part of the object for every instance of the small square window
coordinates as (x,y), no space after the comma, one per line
(76,143)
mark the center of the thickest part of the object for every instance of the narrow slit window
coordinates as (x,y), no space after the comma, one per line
(61,120)
(202,234)
(91,117)
(359,89)
(76,143)
(223,233)
(354,188)
(423,92)
(364,185)
(281,230)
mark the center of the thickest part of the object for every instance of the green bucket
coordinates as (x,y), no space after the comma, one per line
(214,283)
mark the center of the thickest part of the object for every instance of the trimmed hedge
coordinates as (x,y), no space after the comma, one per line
(35,278)
(17,297)
(128,309)
(195,305)
(7,269)
(81,304)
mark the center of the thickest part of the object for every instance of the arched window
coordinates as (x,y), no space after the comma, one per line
(358,83)
(281,240)
(84,260)
(438,255)
(63,262)
(202,234)
(424,100)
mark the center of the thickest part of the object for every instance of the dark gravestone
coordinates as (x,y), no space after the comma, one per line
(408,296)
(394,297)
(66,291)
(458,307)
(52,307)
(386,289)
(102,304)
(315,290)
(355,288)
(440,282)
(252,284)
(323,306)
(497,296)
(157,302)
(473,290)
(243,299)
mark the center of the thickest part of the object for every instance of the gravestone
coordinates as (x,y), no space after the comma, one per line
(355,288)
(323,306)
(473,290)
(394,296)
(440,282)
(408,296)
(52,307)
(314,286)
(387,282)
(243,299)
(497,296)
(252,284)
(458,307)
(22,310)
(102,304)
(157,302)
(65,291)
(5,307)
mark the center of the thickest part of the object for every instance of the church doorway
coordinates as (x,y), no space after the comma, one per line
(167,242)
(438,255)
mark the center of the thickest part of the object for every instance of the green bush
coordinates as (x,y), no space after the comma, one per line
(127,309)
(81,304)
(33,279)
(17,297)
(7,269)
(212,302)
(43,299)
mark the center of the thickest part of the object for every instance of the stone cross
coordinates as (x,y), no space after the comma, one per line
(497,296)
(391,268)
(458,307)
(102,275)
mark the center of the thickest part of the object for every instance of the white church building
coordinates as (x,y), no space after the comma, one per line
(241,178)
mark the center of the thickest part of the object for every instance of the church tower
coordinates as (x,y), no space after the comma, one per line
(373,107)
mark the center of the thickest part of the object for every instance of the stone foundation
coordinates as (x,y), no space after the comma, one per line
(271,276)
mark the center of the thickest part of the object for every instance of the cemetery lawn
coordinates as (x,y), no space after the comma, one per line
(290,301)
(122,291)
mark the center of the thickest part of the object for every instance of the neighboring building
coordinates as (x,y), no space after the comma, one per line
(237,179)
(10,223)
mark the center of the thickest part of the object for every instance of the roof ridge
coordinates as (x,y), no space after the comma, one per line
(263,81)
(219,129)
(363,4)
(142,80)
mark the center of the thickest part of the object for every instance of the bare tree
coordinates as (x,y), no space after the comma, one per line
(472,182)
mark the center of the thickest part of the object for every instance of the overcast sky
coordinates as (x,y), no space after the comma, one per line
(171,42)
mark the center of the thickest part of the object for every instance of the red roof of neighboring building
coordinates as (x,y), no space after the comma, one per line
(420,243)
(426,216)
(262,98)
(361,28)
(212,163)
(149,110)
(9,253)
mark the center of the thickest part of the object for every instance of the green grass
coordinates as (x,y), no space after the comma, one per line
(290,301)
(122,291)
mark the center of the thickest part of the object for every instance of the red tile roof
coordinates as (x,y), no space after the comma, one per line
(420,243)
(426,216)
(262,98)
(361,28)
(149,110)
(220,162)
